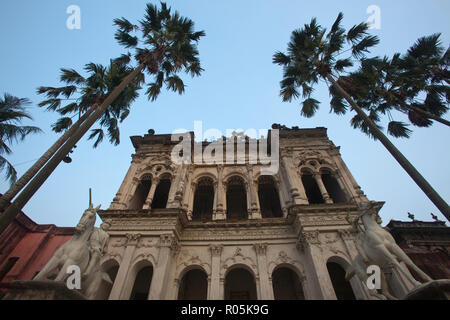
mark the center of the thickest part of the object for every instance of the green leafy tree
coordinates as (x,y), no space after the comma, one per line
(313,54)
(12,112)
(165,44)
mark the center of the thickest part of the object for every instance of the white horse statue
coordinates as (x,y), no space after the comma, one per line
(361,262)
(73,252)
(380,249)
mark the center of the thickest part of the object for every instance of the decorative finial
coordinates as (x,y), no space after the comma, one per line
(435,218)
(411,216)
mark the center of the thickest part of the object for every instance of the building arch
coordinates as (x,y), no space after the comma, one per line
(237,197)
(269,197)
(240,283)
(141,191)
(193,283)
(312,189)
(204,194)
(139,279)
(337,268)
(331,183)
(202,175)
(161,196)
(288,283)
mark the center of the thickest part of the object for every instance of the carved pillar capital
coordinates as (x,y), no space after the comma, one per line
(132,239)
(216,250)
(260,248)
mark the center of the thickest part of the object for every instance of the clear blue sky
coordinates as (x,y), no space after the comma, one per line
(239,89)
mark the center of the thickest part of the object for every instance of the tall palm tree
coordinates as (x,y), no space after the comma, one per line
(169,46)
(414,84)
(92,90)
(12,112)
(84,95)
(313,55)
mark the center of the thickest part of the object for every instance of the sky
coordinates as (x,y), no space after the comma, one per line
(238,89)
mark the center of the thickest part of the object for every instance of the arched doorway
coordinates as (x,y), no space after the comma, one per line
(193,286)
(286,285)
(269,199)
(161,193)
(203,200)
(342,287)
(236,199)
(240,285)
(141,287)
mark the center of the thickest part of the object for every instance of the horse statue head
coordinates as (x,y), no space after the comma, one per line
(370,210)
(87,220)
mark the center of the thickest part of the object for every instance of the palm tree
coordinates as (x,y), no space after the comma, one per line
(169,47)
(91,91)
(12,112)
(384,85)
(313,55)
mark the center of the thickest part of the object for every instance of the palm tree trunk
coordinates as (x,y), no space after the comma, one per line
(401,159)
(8,216)
(27,176)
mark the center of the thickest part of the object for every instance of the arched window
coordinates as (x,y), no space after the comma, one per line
(269,199)
(342,288)
(161,193)
(236,199)
(203,200)
(141,193)
(311,188)
(333,187)
(142,283)
(193,286)
(240,285)
(286,285)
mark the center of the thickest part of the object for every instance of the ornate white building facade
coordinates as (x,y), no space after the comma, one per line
(225,231)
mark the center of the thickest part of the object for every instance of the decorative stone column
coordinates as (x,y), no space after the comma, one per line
(266,288)
(119,283)
(120,200)
(326,197)
(190,207)
(254,210)
(151,194)
(167,246)
(319,281)
(177,187)
(220,204)
(295,188)
(215,291)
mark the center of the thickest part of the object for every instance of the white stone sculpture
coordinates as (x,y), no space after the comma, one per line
(379,246)
(94,275)
(361,262)
(74,252)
